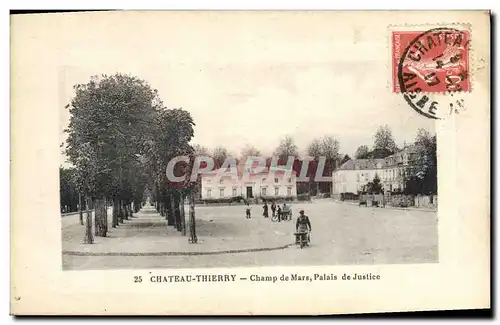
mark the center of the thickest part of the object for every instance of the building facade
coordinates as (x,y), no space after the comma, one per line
(266,184)
(393,170)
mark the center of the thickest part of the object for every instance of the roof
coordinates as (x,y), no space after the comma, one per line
(376,163)
(362,164)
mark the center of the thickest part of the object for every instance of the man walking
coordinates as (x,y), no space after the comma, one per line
(266,210)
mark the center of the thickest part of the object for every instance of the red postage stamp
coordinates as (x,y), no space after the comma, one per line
(430,61)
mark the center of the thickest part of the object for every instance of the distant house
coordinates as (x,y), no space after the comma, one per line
(269,184)
(354,174)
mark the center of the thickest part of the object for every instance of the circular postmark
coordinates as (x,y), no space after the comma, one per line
(433,71)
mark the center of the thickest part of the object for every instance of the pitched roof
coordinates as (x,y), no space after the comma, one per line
(372,163)
(354,164)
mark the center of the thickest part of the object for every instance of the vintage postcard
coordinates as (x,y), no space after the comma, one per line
(233,163)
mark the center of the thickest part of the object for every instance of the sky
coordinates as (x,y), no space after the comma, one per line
(251,79)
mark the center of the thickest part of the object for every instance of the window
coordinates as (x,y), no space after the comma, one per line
(235,192)
(276,191)
(289,179)
(289,191)
(209,193)
(221,181)
(276,180)
(264,191)
(221,192)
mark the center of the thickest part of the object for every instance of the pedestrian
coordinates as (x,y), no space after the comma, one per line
(303,226)
(273,208)
(266,210)
(286,210)
(248,213)
(279,213)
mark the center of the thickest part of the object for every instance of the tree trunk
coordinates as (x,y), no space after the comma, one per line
(169,211)
(131,210)
(192,221)
(116,207)
(120,211)
(183,216)
(174,211)
(178,216)
(100,217)
(125,210)
(88,239)
(80,208)
(160,209)
(106,215)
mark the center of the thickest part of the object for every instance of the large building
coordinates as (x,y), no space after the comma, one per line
(354,174)
(268,184)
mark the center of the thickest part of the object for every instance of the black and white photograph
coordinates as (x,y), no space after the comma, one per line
(371,194)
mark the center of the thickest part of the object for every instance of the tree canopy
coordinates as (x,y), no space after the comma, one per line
(383,139)
(121,137)
(286,148)
(363,152)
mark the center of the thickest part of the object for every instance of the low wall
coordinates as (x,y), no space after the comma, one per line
(426,201)
(397,200)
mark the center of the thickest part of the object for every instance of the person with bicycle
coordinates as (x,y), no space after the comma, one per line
(303,225)
(286,212)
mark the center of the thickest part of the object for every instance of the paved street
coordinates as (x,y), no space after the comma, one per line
(343,234)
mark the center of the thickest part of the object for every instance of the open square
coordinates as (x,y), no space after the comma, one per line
(342,234)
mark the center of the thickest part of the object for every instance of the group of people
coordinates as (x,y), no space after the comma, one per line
(283,213)
(303,224)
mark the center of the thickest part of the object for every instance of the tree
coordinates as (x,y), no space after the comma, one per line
(249,151)
(375,186)
(200,150)
(110,120)
(67,190)
(379,153)
(173,132)
(286,148)
(219,155)
(425,162)
(326,147)
(315,149)
(362,152)
(330,150)
(383,139)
